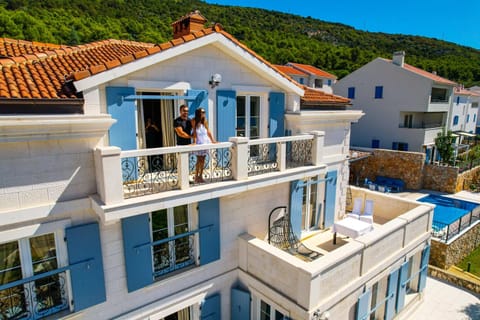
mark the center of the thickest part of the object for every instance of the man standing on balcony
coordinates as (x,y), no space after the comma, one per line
(183,127)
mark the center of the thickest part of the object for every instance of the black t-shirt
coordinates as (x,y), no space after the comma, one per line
(187,128)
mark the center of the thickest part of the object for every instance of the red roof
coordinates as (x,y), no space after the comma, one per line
(290,70)
(465,92)
(32,70)
(314,97)
(426,74)
(312,70)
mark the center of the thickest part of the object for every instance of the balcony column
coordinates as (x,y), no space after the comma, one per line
(240,156)
(108,174)
(282,156)
(183,170)
(317,147)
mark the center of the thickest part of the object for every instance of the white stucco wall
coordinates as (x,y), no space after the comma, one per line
(403,91)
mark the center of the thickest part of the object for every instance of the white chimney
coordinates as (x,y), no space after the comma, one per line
(399,58)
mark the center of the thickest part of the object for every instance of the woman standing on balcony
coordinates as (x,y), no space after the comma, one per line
(201,135)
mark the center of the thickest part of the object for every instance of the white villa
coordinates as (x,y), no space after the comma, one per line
(97,224)
(309,76)
(405,107)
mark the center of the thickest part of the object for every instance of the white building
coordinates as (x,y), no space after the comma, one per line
(94,225)
(405,107)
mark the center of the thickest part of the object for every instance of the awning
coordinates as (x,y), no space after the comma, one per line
(466,134)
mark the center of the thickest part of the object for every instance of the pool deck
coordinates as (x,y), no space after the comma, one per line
(443,300)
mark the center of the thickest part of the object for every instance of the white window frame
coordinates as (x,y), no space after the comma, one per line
(256,308)
(307,210)
(192,216)
(263,112)
(24,234)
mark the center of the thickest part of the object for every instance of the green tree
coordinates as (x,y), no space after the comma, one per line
(445,147)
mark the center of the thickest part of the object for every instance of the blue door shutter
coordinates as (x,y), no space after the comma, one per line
(330,198)
(296,197)
(422,281)
(240,305)
(211,309)
(276,126)
(137,251)
(402,286)
(391,294)
(122,134)
(200,101)
(88,283)
(209,215)
(363,306)
(226,109)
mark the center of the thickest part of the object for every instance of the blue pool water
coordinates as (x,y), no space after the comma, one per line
(447,209)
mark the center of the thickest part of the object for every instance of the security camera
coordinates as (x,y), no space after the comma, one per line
(215,80)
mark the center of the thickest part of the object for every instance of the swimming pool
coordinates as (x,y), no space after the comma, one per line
(448,210)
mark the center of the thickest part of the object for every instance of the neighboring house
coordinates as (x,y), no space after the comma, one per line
(475,104)
(405,107)
(309,76)
(95,224)
(463,116)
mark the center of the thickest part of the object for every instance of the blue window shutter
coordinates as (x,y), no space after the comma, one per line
(88,282)
(351,93)
(378,92)
(240,305)
(375,143)
(296,197)
(276,109)
(200,101)
(211,308)
(405,147)
(209,214)
(391,294)
(330,197)
(428,155)
(137,251)
(226,109)
(122,134)
(422,281)
(363,306)
(402,286)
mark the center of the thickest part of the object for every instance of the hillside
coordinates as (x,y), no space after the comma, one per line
(278,37)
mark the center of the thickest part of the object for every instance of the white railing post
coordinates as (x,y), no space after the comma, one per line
(239,158)
(282,155)
(317,147)
(183,170)
(108,173)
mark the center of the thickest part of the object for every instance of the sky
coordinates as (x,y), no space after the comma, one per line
(452,21)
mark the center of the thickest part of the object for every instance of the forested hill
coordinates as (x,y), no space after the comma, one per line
(278,37)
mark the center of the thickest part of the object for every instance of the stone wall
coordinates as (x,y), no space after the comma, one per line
(411,168)
(440,178)
(407,166)
(468,178)
(443,255)
(452,278)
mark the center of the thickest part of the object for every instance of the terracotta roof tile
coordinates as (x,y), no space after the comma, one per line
(312,70)
(425,74)
(42,70)
(290,70)
(314,97)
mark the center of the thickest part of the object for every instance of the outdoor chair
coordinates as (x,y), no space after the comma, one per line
(357,208)
(367,214)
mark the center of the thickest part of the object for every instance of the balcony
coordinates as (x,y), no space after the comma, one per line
(127,177)
(400,225)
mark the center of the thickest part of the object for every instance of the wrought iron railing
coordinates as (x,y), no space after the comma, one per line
(445,232)
(34,299)
(173,254)
(217,165)
(299,153)
(150,174)
(262,157)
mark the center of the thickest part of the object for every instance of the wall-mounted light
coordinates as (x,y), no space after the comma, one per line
(215,80)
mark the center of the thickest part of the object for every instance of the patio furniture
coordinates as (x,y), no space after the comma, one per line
(367,215)
(350,227)
(392,184)
(281,235)
(357,208)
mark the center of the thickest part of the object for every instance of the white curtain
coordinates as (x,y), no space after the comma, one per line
(168,135)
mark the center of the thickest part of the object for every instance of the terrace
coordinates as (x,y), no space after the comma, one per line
(399,225)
